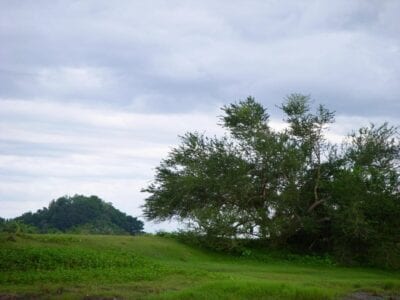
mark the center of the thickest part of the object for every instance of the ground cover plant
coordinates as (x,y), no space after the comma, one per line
(62,266)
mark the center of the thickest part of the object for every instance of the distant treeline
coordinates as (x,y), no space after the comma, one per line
(77,214)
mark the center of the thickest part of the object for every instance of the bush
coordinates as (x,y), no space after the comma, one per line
(15,227)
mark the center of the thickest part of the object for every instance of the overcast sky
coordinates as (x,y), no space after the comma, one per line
(93,94)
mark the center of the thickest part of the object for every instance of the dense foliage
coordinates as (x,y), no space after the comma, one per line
(81,214)
(289,188)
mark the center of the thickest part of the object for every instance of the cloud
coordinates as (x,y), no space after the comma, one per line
(172,56)
(76,79)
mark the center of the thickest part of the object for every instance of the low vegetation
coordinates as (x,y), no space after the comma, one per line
(63,266)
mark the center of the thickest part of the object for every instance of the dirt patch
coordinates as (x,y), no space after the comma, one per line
(99,298)
(370,296)
(18,297)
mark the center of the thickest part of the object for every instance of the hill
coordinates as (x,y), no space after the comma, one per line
(54,266)
(81,214)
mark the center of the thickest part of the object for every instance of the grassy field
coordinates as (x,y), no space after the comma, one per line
(148,267)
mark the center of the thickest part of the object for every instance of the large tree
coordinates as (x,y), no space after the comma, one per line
(287,187)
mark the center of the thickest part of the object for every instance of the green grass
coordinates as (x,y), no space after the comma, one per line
(148,267)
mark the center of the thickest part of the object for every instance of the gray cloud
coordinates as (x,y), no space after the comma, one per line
(178,56)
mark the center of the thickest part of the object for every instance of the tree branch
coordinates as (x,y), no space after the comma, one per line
(315,204)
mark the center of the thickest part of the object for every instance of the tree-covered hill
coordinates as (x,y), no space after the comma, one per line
(82,214)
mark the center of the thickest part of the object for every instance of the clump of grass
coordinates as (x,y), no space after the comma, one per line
(245,289)
(50,258)
(60,259)
(311,260)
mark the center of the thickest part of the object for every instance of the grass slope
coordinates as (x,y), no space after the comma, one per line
(147,267)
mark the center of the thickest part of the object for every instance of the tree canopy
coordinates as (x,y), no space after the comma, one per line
(289,187)
(82,214)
